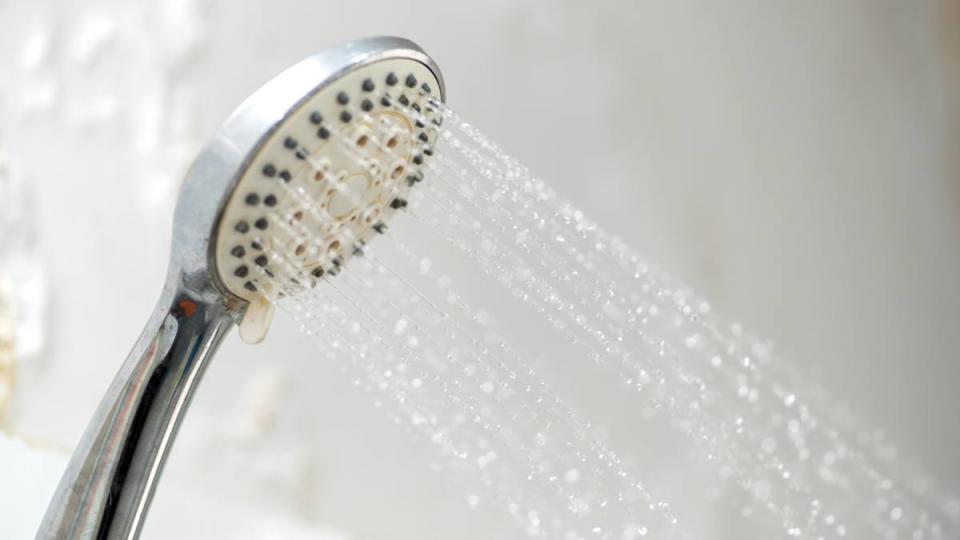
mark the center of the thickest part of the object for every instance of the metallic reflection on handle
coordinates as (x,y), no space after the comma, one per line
(106,489)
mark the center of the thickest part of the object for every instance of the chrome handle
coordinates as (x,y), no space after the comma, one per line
(107,487)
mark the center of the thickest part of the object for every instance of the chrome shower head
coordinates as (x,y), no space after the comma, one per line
(297,180)
(279,187)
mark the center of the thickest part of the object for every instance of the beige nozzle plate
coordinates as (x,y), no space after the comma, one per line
(324,182)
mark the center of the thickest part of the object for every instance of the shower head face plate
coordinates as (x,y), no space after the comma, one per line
(327,178)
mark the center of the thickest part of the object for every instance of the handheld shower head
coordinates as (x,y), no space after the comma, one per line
(278,187)
(297,180)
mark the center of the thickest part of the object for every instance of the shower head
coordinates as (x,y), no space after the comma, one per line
(306,171)
(296,181)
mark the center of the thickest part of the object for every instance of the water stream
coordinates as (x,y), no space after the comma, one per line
(490,285)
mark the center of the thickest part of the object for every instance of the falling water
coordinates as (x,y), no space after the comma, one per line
(490,281)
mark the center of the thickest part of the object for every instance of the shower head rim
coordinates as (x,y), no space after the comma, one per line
(223,162)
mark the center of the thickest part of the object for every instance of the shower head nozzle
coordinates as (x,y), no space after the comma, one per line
(298,180)
(306,171)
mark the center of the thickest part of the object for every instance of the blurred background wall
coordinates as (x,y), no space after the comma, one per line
(797,163)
